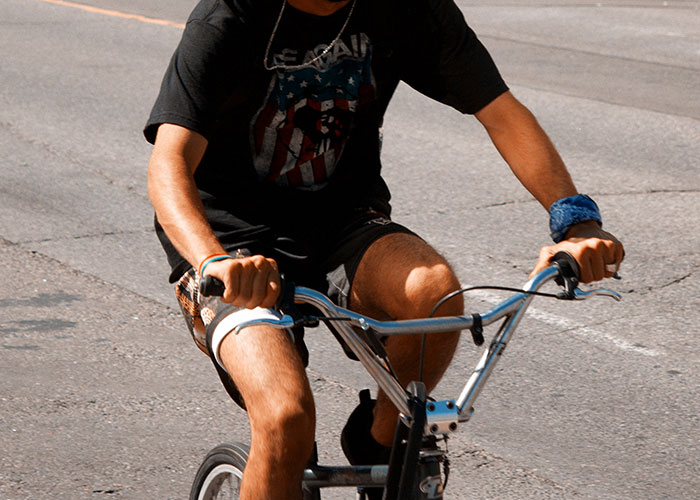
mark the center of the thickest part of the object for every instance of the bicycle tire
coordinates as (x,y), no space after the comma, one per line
(219,476)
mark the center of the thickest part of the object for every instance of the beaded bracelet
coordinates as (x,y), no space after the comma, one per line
(569,211)
(212,258)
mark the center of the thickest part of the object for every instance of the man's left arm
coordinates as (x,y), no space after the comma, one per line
(536,163)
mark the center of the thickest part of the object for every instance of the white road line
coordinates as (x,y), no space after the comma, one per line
(587,333)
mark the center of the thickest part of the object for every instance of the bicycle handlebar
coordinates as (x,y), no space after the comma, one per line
(211,287)
(569,272)
(564,270)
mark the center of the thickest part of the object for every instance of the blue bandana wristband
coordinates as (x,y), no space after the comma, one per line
(570,211)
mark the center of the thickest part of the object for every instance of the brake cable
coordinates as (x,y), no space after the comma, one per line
(477,329)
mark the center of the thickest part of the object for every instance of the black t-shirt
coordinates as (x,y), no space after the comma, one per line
(295,148)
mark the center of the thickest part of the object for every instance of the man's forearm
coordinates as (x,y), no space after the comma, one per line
(180,213)
(526,148)
(534,160)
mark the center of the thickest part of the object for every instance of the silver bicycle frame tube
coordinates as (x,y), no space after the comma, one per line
(490,357)
(374,366)
(512,309)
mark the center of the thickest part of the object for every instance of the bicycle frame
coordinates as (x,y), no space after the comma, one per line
(433,418)
(512,309)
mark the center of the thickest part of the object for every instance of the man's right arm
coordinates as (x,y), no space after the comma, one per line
(251,281)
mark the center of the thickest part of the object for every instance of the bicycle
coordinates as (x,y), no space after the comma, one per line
(418,460)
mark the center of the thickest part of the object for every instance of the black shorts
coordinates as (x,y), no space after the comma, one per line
(329,269)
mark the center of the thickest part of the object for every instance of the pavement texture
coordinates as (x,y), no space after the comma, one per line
(103,394)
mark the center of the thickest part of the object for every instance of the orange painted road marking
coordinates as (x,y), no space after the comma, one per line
(114,13)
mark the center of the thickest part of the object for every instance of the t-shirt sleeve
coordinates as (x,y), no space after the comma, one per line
(451,65)
(195,83)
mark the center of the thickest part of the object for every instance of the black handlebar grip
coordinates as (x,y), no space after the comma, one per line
(568,267)
(211,286)
(569,274)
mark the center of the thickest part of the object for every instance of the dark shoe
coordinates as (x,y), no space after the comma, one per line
(359,446)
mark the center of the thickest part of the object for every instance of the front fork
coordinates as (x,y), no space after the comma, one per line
(414,466)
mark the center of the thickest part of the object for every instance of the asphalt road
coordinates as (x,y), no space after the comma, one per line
(103,395)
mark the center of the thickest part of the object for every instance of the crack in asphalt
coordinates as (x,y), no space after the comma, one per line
(12,130)
(651,288)
(487,459)
(89,235)
(594,194)
(586,52)
(51,150)
(611,102)
(676,281)
(94,277)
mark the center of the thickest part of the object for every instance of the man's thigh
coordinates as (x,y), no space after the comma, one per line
(400,276)
(266,368)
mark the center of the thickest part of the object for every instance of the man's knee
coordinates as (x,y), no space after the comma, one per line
(427,285)
(285,429)
(267,370)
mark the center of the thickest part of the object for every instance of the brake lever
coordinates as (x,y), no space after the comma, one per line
(581,295)
(570,288)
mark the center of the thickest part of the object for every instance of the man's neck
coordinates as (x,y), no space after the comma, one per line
(318,7)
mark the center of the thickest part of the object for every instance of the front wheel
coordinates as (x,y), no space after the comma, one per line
(219,476)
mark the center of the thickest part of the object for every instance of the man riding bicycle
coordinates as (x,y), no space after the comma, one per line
(266,160)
